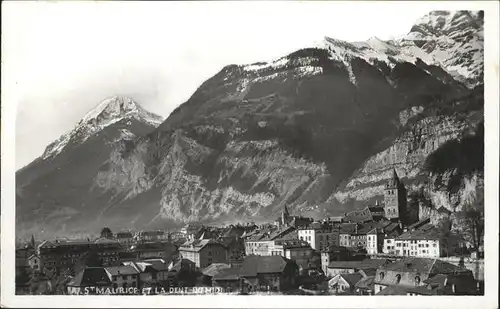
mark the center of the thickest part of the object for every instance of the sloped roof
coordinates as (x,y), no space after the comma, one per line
(256,264)
(364,264)
(198,244)
(121,235)
(121,270)
(214,268)
(91,276)
(421,265)
(393,290)
(182,264)
(425,232)
(227,274)
(352,279)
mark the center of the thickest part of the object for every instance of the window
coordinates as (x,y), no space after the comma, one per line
(209,253)
(153,276)
(417,280)
(382,275)
(125,277)
(114,278)
(398,278)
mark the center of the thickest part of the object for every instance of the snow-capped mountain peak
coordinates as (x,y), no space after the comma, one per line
(106,113)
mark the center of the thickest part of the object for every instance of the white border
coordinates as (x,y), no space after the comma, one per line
(489,300)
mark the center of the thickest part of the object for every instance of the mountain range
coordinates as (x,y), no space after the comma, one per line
(319,130)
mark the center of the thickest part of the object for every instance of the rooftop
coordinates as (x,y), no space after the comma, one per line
(121,270)
(256,264)
(91,276)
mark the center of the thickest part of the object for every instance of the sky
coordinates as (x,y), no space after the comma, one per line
(64,58)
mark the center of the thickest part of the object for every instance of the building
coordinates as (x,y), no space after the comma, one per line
(269,273)
(344,283)
(367,214)
(459,283)
(426,241)
(150,273)
(333,253)
(124,276)
(210,271)
(262,242)
(395,198)
(294,249)
(151,236)
(88,280)
(126,238)
(235,249)
(151,250)
(320,235)
(228,278)
(203,252)
(376,238)
(34,262)
(401,276)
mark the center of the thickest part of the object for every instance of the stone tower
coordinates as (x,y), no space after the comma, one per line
(394,198)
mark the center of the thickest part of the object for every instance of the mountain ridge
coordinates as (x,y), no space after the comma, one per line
(296,131)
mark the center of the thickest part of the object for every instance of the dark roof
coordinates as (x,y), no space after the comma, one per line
(256,264)
(121,235)
(368,272)
(227,274)
(393,290)
(352,279)
(421,265)
(182,264)
(427,231)
(121,270)
(430,289)
(214,268)
(368,263)
(91,276)
(234,231)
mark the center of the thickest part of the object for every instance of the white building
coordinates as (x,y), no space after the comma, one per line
(319,235)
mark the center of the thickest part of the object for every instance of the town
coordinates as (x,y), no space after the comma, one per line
(379,250)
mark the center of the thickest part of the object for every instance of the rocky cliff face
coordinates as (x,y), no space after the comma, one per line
(317,130)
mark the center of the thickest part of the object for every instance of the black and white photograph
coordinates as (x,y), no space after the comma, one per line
(227,150)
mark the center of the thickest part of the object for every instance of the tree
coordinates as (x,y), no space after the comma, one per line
(106,232)
(471,218)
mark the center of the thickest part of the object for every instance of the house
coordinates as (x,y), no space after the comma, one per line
(458,283)
(210,271)
(408,273)
(228,278)
(150,273)
(203,252)
(344,283)
(319,235)
(295,249)
(367,214)
(333,253)
(89,281)
(182,273)
(269,273)
(263,241)
(34,262)
(426,241)
(124,276)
